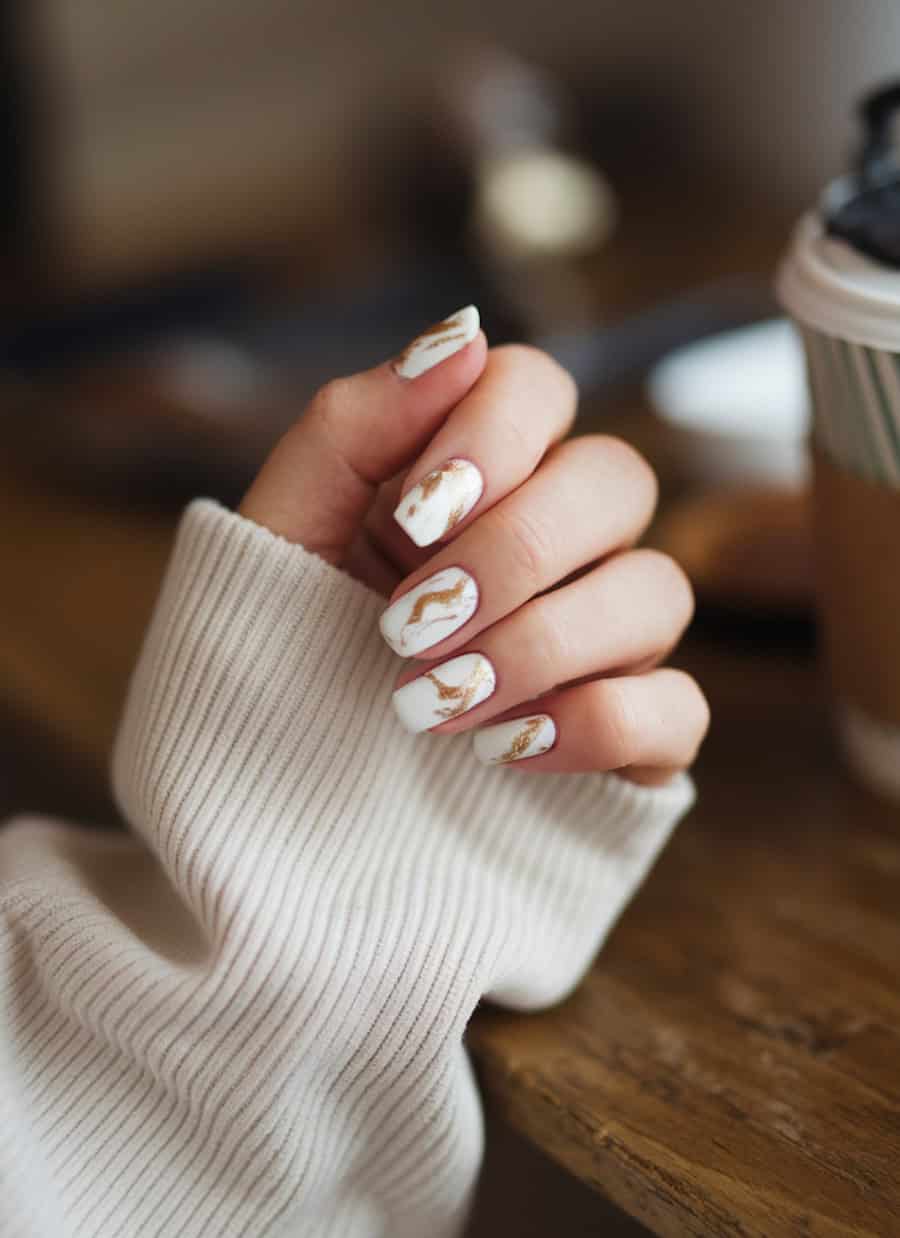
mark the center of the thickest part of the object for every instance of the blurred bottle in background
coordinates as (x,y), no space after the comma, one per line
(18,137)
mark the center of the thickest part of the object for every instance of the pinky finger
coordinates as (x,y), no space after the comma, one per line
(646,727)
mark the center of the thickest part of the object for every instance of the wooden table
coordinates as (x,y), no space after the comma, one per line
(731,1066)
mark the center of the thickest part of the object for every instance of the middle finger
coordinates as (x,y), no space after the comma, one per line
(591,497)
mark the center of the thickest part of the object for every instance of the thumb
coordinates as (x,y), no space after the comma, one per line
(318,483)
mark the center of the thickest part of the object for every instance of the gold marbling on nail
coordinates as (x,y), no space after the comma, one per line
(423,340)
(437,597)
(516,740)
(521,741)
(440,501)
(455,516)
(430,611)
(444,692)
(463,693)
(437,342)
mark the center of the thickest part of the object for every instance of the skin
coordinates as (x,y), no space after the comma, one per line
(576,621)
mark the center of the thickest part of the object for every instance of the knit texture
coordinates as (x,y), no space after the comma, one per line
(248,1017)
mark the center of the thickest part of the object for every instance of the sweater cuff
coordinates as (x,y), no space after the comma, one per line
(259,722)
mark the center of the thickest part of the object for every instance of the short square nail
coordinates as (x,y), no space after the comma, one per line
(440,501)
(445,692)
(430,611)
(438,342)
(515,740)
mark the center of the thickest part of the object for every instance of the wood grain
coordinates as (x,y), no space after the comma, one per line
(79,581)
(731,1066)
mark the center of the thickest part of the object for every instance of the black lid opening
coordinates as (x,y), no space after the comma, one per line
(869,219)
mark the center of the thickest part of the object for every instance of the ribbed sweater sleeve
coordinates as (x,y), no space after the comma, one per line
(247,1016)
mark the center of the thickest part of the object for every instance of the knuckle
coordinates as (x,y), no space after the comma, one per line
(547,647)
(539,364)
(673,582)
(553,386)
(528,544)
(514,355)
(613,724)
(330,403)
(612,457)
(697,710)
(691,708)
(629,461)
(522,440)
(540,400)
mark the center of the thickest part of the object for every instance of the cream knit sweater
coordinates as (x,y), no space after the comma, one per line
(248,1017)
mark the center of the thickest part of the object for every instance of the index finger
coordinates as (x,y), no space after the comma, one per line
(493,440)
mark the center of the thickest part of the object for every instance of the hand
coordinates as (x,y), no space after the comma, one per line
(535,620)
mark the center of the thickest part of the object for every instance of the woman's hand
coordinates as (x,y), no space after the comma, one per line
(507,554)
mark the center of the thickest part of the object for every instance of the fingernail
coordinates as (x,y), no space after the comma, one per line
(438,342)
(445,692)
(440,500)
(514,741)
(429,612)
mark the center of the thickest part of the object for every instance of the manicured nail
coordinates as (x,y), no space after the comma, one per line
(440,500)
(437,343)
(514,741)
(429,612)
(446,692)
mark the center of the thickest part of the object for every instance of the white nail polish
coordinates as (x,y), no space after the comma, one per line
(430,611)
(445,692)
(440,500)
(437,343)
(515,740)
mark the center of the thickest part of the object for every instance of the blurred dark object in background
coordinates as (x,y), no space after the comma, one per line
(158,395)
(489,194)
(864,210)
(217,214)
(15,130)
(18,137)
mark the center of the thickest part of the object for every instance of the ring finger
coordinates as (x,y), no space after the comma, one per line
(631,610)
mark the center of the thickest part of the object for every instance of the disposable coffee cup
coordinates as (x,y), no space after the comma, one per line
(842,290)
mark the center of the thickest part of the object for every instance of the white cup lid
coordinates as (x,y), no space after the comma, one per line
(826,284)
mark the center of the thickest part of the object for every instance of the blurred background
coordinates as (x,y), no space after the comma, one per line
(164,131)
(235,201)
(209,209)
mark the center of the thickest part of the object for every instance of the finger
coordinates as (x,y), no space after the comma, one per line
(646,726)
(365,561)
(319,481)
(591,496)
(629,609)
(386,534)
(493,440)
